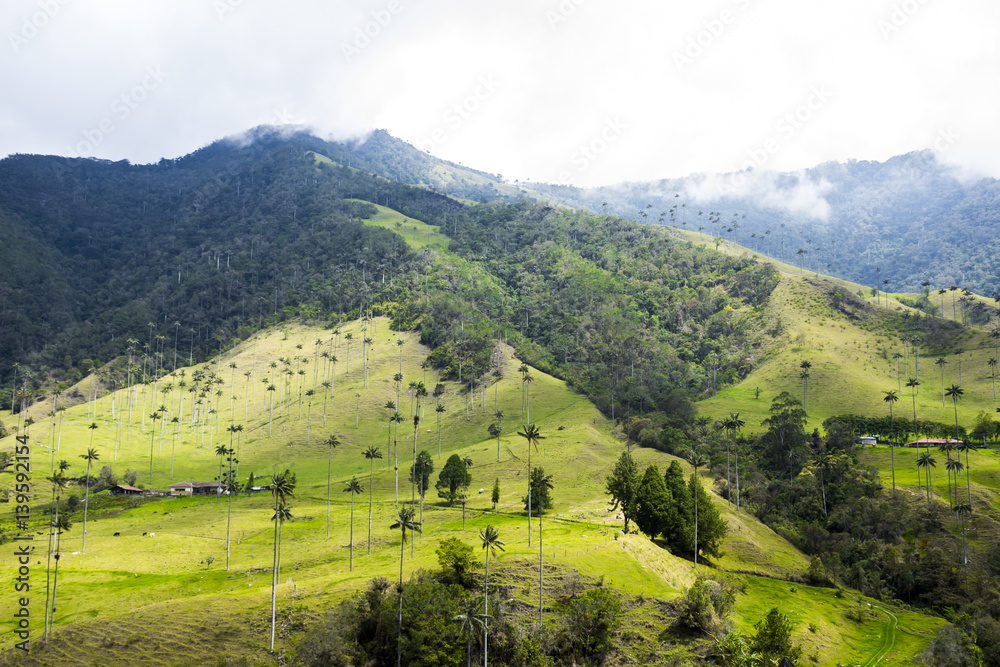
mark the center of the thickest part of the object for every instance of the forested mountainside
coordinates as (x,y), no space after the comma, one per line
(198,250)
(185,256)
(908,220)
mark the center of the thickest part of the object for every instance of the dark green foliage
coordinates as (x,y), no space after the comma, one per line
(591,620)
(772,638)
(785,448)
(707,603)
(223,241)
(622,485)
(711,526)
(457,560)
(653,504)
(495,495)
(679,531)
(420,472)
(453,477)
(541,491)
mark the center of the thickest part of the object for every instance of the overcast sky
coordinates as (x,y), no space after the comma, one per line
(579,91)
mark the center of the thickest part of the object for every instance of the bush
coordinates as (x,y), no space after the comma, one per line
(591,620)
(457,560)
(773,638)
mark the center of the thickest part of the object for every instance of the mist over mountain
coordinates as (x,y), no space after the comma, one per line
(908,220)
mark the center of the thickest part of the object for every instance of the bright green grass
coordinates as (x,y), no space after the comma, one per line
(852,368)
(416,233)
(160,587)
(837,638)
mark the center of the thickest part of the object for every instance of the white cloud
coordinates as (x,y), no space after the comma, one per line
(234,64)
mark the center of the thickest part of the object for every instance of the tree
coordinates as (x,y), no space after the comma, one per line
(805,366)
(495,496)
(710,527)
(282,488)
(531,435)
(352,487)
(331,443)
(965,446)
(891,397)
(405,521)
(439,410)
(652,503)
(963,510)
(941,362)
(772,638)
(697,460)
(622,485)
(413,486)
(371,454)
(540,485)
(490,538)
(992,363)
(784,442)
(152,434)
(913,383)
(270,417)
(732,425)
(473,623)
(61,525)
(926,461)
(954,392)
(458,558)
(421,470)
(452,476)
(89,457)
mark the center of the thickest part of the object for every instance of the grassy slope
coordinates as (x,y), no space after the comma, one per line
(852,366)
(162,592)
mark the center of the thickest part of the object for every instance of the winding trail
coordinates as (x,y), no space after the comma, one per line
(888,638)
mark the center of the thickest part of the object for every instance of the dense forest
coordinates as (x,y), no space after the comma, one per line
(866,222)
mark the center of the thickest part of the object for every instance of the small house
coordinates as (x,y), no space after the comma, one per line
(196,489)
(182,489)
(125,490)
(868,441)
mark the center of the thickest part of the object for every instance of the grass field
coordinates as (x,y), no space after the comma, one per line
(159,593)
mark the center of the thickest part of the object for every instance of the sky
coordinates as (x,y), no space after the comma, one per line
(582,92)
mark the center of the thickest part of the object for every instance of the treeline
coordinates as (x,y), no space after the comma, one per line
(188,254)
(623,312)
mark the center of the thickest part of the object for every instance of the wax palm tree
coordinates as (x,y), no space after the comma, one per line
(270,417)
(439,410)
(891,397)
(61,525)
(544,483)
(309,394)
(89,457)
(405,520)
(326,387)
(954,392)
(398,419)
(993,375)
(913,383)
(804,375)
(473,623)
(353,487)
(93,427)
(531,435)
(231,487)
(413,482)
(331,444)
(955,468)
(490,538)
(282,488)
(926,461)
(963,510)
(152,436)
(371,454)
(942,363)
(697,460)
(965,447)
(466,464)
(497,430)
(731,424)
(59,481)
